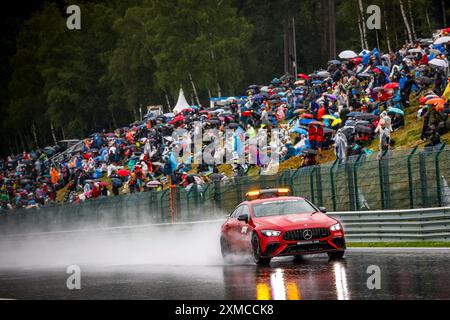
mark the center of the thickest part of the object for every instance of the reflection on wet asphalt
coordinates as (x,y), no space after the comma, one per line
(404,275)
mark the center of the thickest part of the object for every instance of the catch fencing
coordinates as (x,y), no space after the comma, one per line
(403,179)
(397,180)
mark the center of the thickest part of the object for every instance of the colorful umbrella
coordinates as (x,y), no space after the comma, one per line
(306,116)
(177,119)
(438,63)
(439,102)
(299,130)
(442,40)
(298,111)
(347,54)
(323,74)
(123,173)
(303,76)
(336,122)
(396,110)
(392,85)
(436,101)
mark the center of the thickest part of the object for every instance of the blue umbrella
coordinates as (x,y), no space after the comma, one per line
(383,68)
(396,110)
(354,114)
(299,130)
(306,122)
(335,62)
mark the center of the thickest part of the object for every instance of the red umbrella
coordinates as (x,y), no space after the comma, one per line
(103,184)
(177,119)
(423,100)
(123,173)
(303,76)
(356,60)
(306,116)
(392,85)
(246,114)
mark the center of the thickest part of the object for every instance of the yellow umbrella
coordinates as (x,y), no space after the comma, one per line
(329,117)
(336,122)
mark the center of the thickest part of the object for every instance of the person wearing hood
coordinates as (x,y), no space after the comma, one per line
(386,120)
(340,146)
(385,138)
(291,151)
(251,131)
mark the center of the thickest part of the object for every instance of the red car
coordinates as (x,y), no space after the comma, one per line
(273,224)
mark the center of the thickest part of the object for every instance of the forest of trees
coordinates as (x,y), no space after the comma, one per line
(63,84)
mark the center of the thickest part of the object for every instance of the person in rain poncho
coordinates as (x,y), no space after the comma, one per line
(251,131)
(385,137)
(340,146)
(264,116)
(386,120)
(54,175)
(281,112)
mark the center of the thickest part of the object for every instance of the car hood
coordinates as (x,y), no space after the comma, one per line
(295,221)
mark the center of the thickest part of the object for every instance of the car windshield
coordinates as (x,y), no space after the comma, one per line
(281,208)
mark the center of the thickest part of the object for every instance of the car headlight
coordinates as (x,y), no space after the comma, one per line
(271,233)
(336,227)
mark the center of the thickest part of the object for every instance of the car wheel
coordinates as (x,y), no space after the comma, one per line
(224,248)
(257,254)
(336,255)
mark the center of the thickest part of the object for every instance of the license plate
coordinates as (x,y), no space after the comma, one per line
(307,242)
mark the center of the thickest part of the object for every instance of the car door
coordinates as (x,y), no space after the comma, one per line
(244,230)
(231,228)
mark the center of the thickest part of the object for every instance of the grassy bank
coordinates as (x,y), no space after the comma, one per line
(414,244)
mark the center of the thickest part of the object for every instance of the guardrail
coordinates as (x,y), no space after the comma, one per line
(431,224)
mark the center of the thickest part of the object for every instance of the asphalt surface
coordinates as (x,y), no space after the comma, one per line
(405,274)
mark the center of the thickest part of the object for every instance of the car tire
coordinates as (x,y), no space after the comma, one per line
(256,252)
(224,248)
(336,255)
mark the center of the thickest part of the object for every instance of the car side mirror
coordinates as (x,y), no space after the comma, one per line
(323,209)
(244,217)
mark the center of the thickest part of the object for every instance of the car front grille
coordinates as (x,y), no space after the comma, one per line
(299,235)
(305,248)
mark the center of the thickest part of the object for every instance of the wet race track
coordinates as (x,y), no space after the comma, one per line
(405,274)
(184,263)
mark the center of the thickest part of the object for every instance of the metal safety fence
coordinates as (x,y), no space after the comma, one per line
(431,224)
(404,179)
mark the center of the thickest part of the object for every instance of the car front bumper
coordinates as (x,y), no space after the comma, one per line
(280,247)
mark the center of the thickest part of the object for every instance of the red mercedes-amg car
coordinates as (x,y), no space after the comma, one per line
(273,224)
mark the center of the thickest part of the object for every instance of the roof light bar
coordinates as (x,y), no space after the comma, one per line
(267,193)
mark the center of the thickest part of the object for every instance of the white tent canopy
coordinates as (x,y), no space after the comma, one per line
(181,104)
